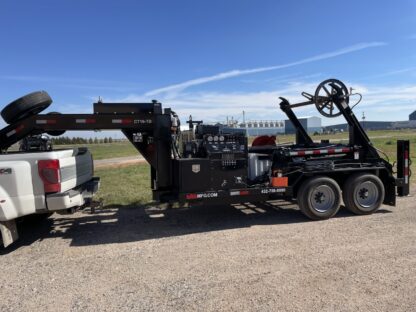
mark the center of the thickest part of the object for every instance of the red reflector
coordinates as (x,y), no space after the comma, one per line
(49,172)
(191,196)
(19,128)
(126,121)
(244,192)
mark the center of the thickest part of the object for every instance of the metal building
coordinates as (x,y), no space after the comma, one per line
(311,124)
(263,127)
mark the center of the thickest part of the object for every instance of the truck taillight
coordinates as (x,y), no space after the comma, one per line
(50,174)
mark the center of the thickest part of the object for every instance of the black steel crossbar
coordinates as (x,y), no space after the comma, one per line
(46,123)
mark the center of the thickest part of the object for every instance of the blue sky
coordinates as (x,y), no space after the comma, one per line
(211,59)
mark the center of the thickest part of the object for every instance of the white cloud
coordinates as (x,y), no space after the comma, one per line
(393,72)
(238,72)
(379,102)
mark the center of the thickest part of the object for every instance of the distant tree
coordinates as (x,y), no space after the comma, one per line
(101,141)
(105,140)
(90,141)
(95,140)
(110,140)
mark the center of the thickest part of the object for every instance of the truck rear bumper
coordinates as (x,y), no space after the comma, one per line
(73,198)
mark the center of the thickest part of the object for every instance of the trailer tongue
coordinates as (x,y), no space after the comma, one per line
(214,165)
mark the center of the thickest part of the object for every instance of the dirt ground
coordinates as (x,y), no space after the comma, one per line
(118,161)
(241,258)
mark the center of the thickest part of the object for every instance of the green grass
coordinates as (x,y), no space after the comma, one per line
(124,185)
(107,150)
(130,185)
(388,145)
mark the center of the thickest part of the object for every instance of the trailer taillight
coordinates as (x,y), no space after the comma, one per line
(403,166)
(49,172)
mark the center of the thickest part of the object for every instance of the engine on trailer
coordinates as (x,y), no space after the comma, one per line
(215,143)
(216,157)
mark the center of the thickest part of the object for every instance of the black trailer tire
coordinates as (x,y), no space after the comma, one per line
(319,198)
(28,105)
(55,132)
(363,193)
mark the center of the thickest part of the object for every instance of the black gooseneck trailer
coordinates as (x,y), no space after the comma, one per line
(216,166)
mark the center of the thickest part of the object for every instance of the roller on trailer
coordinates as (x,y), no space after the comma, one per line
(214,165)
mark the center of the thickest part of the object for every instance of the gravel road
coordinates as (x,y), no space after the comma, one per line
(244,258)
(117,161)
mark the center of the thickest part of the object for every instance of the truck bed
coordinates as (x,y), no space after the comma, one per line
(76,165)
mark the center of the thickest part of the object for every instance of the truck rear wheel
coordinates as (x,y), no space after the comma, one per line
(319,198)
(28,105)
(363,193)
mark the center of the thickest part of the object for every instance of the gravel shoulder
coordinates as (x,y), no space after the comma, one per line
(250,258)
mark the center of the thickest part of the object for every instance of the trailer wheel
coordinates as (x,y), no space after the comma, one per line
(319,198)
(28,105)
(363,193)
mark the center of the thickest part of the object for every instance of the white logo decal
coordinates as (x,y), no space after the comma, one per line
(207,195)
(196,168)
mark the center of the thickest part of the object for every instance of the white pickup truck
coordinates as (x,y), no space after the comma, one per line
(42,183)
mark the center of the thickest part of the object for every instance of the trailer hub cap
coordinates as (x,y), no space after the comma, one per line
(366,194)
(322,198)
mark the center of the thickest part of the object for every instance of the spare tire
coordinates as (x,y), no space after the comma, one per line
(28,105)
(55,132)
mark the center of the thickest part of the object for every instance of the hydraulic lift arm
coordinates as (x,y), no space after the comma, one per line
(302,137)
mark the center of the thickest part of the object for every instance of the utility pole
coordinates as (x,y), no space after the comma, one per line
(363,118)
(244,123)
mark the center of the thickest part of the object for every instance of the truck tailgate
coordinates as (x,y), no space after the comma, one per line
(76,169)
